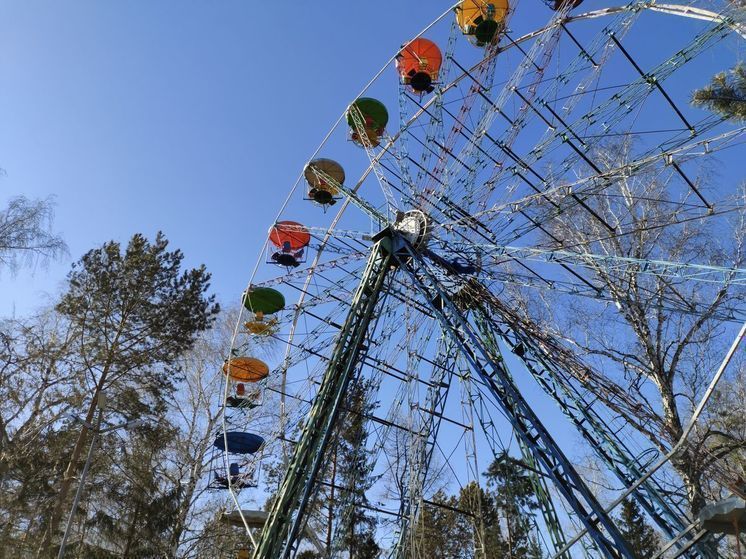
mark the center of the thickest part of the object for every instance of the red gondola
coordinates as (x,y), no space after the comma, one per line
(290,238)
(418,64)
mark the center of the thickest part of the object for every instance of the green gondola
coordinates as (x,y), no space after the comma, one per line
(263,300)
(374,113)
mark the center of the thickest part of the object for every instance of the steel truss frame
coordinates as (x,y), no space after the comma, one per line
(606,443)
(477,345)
(494,375)
(282,529)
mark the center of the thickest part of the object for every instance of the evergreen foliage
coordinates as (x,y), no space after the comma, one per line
(516,501)
(492,522)
(121,328)
(642,539)
(356,524)
(726,94)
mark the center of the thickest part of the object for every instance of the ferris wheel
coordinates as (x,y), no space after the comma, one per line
(496,163)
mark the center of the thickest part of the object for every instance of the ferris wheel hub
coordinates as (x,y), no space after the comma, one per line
(413,226)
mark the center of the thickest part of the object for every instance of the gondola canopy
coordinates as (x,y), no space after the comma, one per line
(372,116)
(418,64)
(324,176)
(239,442)
(246,369)
(289,235)
(481,20)
(263,300)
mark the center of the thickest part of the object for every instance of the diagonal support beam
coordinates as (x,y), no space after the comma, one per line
(527,425)
(606,443)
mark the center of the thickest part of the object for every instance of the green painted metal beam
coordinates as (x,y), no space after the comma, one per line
(287,515)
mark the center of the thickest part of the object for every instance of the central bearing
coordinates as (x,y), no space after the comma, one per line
(413,226)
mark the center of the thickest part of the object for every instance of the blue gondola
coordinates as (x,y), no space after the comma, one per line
(239,442)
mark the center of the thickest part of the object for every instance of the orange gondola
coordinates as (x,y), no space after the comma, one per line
(246,369)
(418,64)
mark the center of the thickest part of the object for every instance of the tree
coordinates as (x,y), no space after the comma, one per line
(515,500)
(25,233)
(39,386)
(490,523)
(134,505)
(146,489)
(134,313)
(481,523)
(218,540)
(726,94)
(439,532)
(642,539)
(195,407)
(357,527)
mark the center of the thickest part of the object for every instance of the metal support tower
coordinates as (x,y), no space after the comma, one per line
(391,249)
(607,445)
(287,514)
(528,427)
(437,395)
(543,497)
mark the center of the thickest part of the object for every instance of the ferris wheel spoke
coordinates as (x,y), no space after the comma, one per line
(601,49)
(541,50)
(664,68)
(622,265)
(595,185)
(726,312)
(538,478)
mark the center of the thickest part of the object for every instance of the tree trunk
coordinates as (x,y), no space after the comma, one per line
(46,548)
(330,516)
(686,465)
(131,532)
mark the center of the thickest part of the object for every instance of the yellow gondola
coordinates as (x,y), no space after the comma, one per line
(481,20)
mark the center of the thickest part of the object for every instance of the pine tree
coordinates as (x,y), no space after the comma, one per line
(136,506)
(357,526)
(486,537)
(514,499)
(135,312)
(642,539)
(726,94)
(439,533)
